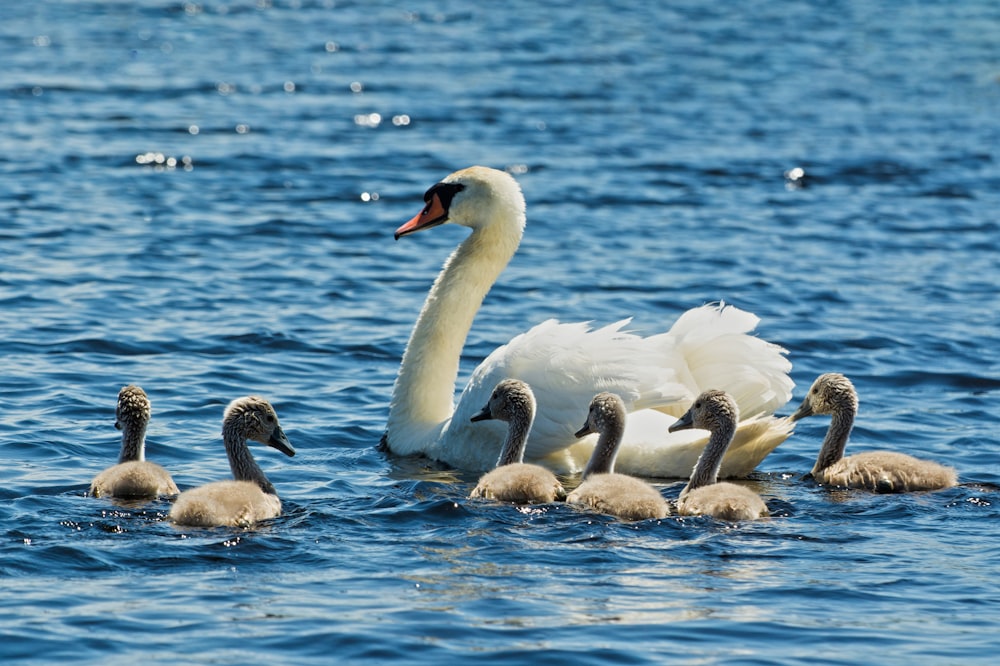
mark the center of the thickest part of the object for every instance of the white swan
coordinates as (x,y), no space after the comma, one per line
(602,489)
(513,480)
(133,477)
(565,364)
(251,497)
(879,471)
(704,495)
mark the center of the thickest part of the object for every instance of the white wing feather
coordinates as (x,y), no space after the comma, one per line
(567,364)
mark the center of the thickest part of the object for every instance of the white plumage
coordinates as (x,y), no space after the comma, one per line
(565,364)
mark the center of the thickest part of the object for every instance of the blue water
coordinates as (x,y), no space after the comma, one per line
(200,198)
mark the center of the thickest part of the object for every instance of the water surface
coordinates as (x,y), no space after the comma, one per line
(200,198)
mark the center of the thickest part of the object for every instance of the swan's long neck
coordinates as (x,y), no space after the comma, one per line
(423,396)
(518,427)
(602,460)
(241,461)
(133,443)
(836,438)
(706,471)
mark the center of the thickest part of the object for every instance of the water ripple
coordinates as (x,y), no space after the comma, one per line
(201,197)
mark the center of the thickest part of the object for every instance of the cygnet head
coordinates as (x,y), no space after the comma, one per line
(473,197)
(713,410)
(133,409)
(831,393)
(606,409)
(510,399)
(254,418)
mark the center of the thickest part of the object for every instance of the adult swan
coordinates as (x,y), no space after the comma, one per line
(567,364)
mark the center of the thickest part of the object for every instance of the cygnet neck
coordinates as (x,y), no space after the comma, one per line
(832,450)
(241,460)
(133,442)
(706,471)
(518,427)
(602,460)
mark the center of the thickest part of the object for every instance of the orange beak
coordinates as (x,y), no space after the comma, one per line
(432,215)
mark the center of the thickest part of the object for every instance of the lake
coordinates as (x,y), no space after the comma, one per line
(200,198)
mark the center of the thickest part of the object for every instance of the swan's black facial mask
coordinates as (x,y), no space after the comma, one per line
(445,193)
(438,198)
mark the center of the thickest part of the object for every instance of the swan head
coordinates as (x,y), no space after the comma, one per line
(254,418)
(510,399)
(606,409)
(712,410)
(474,197)
(831,393)
(133,409)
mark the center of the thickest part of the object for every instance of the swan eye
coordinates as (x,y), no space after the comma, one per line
(269,418)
